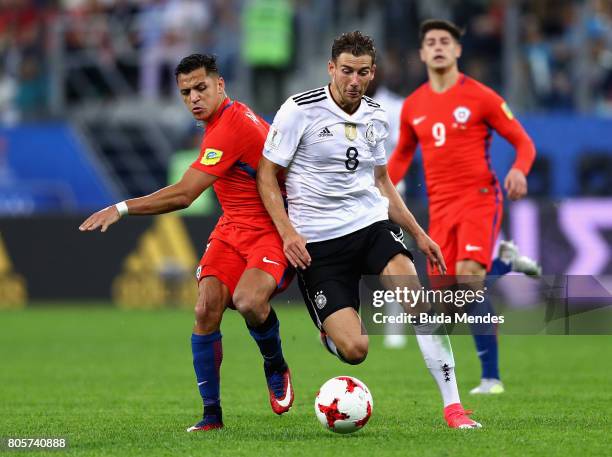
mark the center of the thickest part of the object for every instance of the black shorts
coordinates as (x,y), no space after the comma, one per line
(331,282)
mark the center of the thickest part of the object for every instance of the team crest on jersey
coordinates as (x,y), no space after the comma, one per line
(199,272)
(274,139)
(461,114)
(211,156)
(350,131)
(320,300)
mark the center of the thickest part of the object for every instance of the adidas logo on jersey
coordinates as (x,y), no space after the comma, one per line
(325,133)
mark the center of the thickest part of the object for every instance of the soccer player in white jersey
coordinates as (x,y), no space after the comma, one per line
(341,203)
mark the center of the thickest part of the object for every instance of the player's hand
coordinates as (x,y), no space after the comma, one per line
(103,218)
(433,253)
(294,246)
(515,184)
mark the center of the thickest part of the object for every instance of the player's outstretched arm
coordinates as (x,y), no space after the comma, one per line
(176,196)
(400,214)
(294,244)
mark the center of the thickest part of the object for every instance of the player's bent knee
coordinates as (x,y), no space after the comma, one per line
(209,310)
(252,304)
(355,352)
(208,316)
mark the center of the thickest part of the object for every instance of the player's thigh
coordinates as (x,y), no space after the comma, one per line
(478,231)
(222,261)
(400,274)
(253,290)
(264,253)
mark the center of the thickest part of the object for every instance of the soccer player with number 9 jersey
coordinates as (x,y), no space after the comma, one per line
(452,116)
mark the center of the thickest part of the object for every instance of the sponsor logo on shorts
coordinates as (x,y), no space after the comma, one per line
(211,156)
(198,272)
(399,238)
(472,248)
(320,300)
(266,260)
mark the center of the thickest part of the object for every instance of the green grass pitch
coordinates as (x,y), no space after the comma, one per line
(119,383)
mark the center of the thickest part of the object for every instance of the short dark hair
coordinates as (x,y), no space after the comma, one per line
(440,24)
(196,61)
(354,42)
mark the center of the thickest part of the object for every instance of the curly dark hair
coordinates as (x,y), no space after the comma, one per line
(355,43)
(196,61)
(440,24)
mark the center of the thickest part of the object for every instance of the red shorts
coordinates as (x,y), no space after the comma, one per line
(467,229)
(231,250)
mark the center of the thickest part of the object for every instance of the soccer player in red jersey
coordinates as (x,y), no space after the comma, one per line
(243,264)
(452,116)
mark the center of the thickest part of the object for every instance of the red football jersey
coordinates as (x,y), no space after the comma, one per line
(231,149)
(454,129)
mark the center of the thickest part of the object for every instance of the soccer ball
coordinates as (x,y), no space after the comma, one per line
(343,404)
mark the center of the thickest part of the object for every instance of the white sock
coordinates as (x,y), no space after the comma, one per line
(332,347)
(438,356)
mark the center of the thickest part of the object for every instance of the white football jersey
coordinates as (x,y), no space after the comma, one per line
(330,157)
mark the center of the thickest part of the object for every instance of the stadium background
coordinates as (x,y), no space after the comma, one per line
(89,115)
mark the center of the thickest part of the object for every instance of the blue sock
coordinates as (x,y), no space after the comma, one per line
(267,337)
(499,268)
(485,337)
(207,356)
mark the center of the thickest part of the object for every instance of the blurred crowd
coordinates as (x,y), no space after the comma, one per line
(54,53)
(562,44)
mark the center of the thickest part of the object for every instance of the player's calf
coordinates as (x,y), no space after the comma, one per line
(207,349)
(251,300)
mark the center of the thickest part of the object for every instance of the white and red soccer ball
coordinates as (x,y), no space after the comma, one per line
(343,404)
